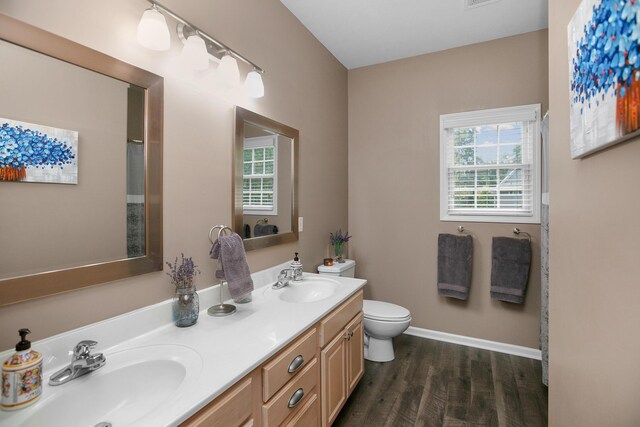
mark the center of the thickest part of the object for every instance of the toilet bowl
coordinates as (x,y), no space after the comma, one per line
(383,321)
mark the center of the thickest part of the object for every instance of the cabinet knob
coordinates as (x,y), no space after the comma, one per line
(295,364)
(296,397)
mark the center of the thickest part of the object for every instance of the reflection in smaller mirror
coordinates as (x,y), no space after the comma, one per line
(266,169)
(95,214)
(264,209)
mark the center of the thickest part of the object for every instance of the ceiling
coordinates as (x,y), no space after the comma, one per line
(366,32)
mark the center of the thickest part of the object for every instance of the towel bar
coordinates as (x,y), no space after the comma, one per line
(221,309)
(517,232)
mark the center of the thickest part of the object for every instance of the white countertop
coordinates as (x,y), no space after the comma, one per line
(229,347)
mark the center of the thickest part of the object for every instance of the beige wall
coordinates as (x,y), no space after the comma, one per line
(42,226)
(306,88)
(594,270)
(394,112)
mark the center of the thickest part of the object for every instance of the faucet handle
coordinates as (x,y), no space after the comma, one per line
(284,273)
(83,348)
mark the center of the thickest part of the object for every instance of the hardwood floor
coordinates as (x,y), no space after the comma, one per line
(432,383)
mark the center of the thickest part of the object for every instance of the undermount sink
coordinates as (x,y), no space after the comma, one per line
(309,290)
(131,385)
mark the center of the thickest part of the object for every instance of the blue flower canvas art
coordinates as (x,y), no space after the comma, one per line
(605,74)
(35,153)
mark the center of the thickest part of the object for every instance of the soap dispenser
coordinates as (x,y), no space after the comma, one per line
(296,266)
(21,376)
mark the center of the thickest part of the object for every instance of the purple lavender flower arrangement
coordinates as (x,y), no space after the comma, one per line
(182,274)
(338,240)
(338,237)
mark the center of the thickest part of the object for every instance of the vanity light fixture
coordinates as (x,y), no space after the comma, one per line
(195,53)
(154,34)
(254,85)
(229,71)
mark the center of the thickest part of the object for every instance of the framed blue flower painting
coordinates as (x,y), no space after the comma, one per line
(605,74)
(35,153)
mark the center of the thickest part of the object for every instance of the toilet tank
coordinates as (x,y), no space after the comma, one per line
(344,269)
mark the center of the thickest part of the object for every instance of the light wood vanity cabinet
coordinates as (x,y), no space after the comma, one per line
(304,385)
(342,362)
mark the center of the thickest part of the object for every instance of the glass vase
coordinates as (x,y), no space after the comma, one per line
(338,249)
(186,306)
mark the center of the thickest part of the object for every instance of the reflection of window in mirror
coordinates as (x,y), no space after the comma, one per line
(260,181)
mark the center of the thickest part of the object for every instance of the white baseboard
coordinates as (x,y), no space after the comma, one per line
(515,350)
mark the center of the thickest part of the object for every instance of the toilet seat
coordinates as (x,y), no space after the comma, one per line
(385,311)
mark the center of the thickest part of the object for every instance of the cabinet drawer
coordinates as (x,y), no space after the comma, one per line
(331,325)
(286,365)
(277,409)
(229,410)
(308,416)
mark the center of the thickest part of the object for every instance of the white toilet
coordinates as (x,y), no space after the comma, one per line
(382,320)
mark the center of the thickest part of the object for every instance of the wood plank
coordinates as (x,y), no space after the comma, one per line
(506,391)
(533,398)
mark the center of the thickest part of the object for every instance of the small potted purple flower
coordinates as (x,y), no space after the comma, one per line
(186,303)
(338,240)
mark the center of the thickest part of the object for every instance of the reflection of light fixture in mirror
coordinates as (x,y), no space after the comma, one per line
(199,47)
(152,30)
(228,71)
(195,53)
(255,87)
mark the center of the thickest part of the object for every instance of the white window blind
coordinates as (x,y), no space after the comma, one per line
(259,183)
(490,165)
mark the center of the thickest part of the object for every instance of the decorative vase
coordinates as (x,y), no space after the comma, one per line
(186,306)
(338,248)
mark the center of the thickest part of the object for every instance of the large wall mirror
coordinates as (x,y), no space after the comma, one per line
(265,181)
(80,166)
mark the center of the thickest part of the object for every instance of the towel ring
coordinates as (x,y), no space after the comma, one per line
(222,229)
(517,232)
(461,229)
(221,309)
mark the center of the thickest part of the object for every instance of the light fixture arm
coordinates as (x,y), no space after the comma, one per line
(223,48)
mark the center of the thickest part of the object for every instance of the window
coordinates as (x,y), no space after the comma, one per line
(490,165)
(259,183)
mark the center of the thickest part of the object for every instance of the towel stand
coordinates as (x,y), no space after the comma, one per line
(461,229)
(517,232)
(221,309)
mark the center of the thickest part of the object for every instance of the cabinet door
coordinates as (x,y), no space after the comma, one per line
(355,352)
(334,381)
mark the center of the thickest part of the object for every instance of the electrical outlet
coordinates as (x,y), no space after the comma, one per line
(300,224)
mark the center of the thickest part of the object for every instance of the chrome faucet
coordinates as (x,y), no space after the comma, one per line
(82,362)
(284,278)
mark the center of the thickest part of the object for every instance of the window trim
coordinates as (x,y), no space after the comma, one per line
(484,117)
(262,142)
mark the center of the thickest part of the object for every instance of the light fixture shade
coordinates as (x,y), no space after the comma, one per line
(229,72)
(195,53)
(153,32)
(255,87)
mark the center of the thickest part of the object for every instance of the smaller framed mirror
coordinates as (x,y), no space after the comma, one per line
(265,181)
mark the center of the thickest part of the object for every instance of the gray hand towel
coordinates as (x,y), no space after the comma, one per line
(511,260)
(264,230)
(232,264)
(455,255)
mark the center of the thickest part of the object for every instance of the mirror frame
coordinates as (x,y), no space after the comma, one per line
(241,116)
(23,288)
